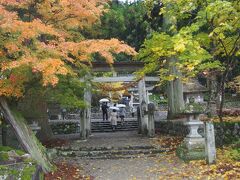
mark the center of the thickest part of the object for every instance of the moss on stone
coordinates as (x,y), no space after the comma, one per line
(5,148)
(4,156)
(28,172)
(187,155)
(24,171)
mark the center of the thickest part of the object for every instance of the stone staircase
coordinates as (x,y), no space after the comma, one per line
(126,152)
(105,126)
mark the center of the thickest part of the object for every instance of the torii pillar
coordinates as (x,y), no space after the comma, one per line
(143,107)
(85,117)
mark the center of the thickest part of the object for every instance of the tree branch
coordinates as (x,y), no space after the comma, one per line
(234,45)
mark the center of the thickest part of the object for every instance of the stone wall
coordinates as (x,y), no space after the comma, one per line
(224,134)
(11,138)
(65,128)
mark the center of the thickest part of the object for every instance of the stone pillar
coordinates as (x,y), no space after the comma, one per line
(88,99)
(210,147)
(85,115)
(147,97)
(143,106)
(144,118)
(139,120)
(114,74)
(151,126)
(83,125)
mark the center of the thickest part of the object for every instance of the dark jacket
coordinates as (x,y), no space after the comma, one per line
(104,108)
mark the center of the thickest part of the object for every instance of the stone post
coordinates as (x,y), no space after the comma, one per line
(151,126)
(144,118)
(210,147)
(83,125)
(88,101)
(143,106)
(85,115)
(139,120)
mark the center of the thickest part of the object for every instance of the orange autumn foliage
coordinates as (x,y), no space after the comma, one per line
(41,44)
(105,48)
(64,13)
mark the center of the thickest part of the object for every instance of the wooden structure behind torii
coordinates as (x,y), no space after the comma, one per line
(117,66)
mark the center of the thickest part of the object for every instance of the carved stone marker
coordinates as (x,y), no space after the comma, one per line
(210,146)
(144,118)
(85,115)
(139,120)
(143,107)
(151,127)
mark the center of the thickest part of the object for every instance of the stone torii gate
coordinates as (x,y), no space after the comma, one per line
(130,67)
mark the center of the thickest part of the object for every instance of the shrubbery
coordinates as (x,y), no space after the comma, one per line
(234,152)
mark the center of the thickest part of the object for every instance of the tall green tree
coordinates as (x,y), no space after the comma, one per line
(204,36)
(129,22)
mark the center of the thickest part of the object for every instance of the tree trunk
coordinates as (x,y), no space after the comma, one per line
(25,136)
(174,92)
(222,98)
(34,108)
(213,95)
(46,132)
(175,87)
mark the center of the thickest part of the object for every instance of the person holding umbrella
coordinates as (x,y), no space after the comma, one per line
(105,111)
(122,112)
(114,117)
(104,107)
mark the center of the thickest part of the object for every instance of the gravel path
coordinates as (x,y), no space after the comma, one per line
(141,168)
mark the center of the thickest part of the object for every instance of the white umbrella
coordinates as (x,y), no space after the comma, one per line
(113,107)
(121,105)
(103,100)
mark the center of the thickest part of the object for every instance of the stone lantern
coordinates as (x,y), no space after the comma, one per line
(34,126)
(193,89)
(193,146)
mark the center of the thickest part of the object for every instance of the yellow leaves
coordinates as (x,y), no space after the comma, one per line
(49,69)
(10,89)
(171,142)
(179,47)
(225,119)
(190,67)
(64,13)
(1,53)
(33,29)
(171,167)
(71,13)
(10,23)
(11,47)
(17,63)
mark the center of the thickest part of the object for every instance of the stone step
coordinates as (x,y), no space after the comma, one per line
(103,148)
(105,126)
(115,157)
(119,125)
(110,130)
(111,153)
